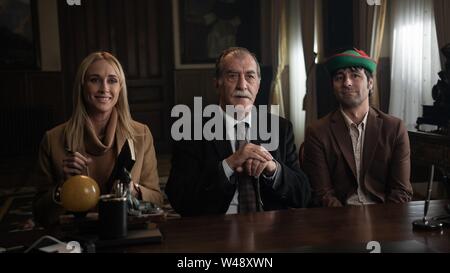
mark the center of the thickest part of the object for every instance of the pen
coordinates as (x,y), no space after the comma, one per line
(69,151)
(424,223)
(427,201)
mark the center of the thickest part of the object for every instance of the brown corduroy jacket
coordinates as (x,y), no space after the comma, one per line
(330,164)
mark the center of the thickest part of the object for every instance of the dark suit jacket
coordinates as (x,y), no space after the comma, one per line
(197,184)
(330,164)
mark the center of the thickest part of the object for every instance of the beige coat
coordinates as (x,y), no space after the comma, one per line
(49,170)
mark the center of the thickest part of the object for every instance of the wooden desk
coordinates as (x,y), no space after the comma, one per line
(346,229)
(428,148)
(290,230)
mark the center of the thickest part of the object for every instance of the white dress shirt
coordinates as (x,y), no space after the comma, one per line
(230,123)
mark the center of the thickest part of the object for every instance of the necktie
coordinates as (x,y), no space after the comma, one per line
(246,184)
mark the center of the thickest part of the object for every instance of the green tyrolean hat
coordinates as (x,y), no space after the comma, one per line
(350,58)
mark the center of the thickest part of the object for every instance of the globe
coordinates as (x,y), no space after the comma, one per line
(79,193)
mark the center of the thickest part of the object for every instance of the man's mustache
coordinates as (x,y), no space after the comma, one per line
(243,93)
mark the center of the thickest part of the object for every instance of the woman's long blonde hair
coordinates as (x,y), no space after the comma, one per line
(74,130)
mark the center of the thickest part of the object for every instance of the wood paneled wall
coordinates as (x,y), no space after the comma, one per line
(138,33)
(384,82)
(192,83)
(30,103)
(195,83)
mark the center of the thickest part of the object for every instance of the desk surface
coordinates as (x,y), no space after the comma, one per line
(346,229)
(290,230)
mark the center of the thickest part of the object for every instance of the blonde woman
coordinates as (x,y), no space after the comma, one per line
(89,142)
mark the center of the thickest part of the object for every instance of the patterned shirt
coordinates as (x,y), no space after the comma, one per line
(357,133)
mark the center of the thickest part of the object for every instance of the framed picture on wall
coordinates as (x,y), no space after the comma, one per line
(203,28)
(19,43)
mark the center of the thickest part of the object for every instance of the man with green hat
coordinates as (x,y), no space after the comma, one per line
(356,155)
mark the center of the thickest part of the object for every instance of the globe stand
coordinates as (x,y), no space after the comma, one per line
(79,215)
(82,224)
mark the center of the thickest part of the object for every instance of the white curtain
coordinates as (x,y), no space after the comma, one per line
(297,72)
(415,58)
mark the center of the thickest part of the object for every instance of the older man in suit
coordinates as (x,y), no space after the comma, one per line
(231,175)
(357,155)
